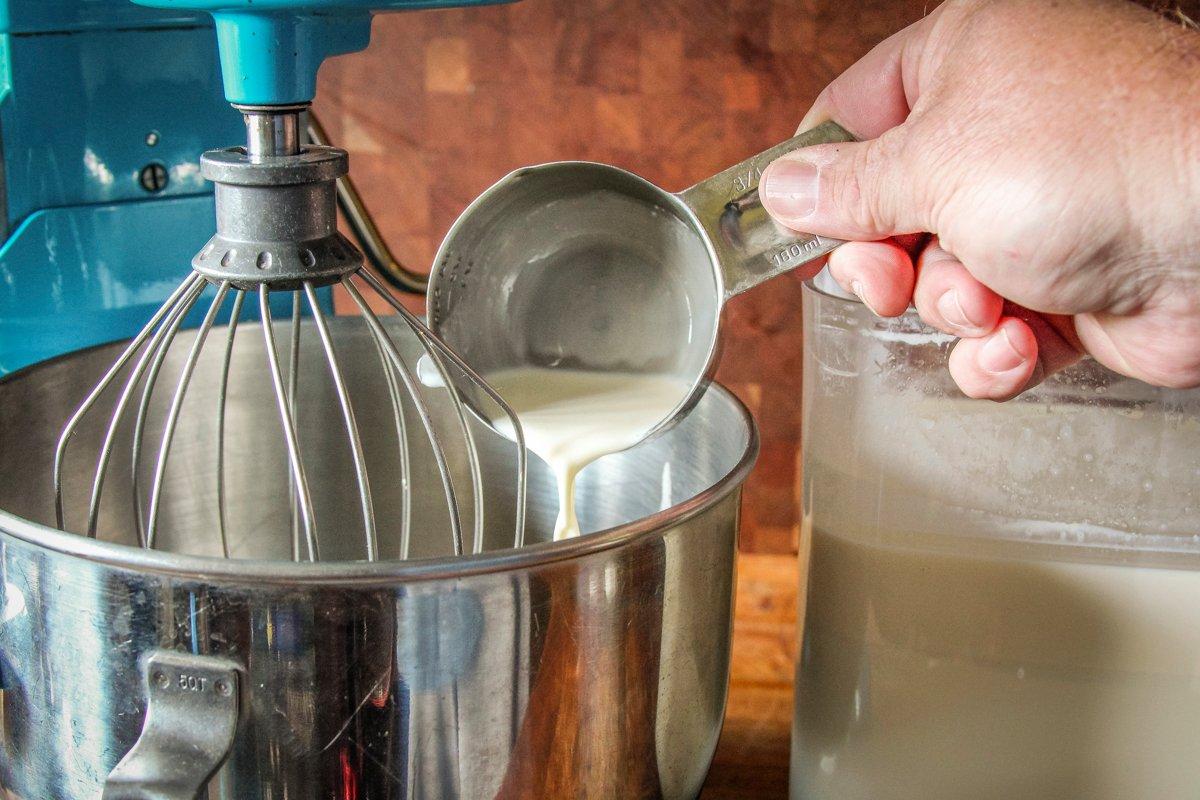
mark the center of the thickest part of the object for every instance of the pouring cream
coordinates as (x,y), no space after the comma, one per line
(573,417)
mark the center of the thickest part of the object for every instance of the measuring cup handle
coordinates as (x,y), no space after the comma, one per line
(751,247)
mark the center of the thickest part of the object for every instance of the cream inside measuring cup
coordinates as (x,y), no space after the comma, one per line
(570,418)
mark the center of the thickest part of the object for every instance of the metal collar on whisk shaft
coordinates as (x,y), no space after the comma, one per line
(272,131)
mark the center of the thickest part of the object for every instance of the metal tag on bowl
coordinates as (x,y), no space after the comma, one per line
(191,720)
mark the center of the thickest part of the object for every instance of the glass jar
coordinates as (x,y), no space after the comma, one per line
(1003,599)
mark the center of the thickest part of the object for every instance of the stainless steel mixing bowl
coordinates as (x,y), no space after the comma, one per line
(594,667)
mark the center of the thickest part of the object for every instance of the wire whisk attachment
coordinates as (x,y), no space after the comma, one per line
(448,426)
(207,454)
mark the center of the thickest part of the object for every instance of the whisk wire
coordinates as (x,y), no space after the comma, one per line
(163,346)
(410,384)
(88,402)
(356,449)
(185,377)
(288,424)
(222,391)
(472,450)
(293,383)
(402,442)
(433,343)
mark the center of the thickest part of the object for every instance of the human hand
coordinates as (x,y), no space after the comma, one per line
(1053,149)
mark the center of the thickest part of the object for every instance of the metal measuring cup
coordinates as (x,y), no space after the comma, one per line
(587,266)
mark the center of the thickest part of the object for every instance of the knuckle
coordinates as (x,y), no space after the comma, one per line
(859,189)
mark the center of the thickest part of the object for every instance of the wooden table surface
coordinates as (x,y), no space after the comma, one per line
(752,755)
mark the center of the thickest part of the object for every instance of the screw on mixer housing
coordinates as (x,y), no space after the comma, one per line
(276,203)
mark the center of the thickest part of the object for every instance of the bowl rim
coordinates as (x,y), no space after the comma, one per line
(262,571)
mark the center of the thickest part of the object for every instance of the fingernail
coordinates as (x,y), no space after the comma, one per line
(998,355)
(857,288)
(789,188)
(950,307)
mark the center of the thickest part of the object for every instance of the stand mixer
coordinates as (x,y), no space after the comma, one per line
(303,599)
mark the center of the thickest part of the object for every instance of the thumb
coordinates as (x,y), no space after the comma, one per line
(858,190)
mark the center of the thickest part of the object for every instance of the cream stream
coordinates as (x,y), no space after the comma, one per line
(573,417)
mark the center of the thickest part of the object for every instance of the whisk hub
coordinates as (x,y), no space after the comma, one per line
(276,219)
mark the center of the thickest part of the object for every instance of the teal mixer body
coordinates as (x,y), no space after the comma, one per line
(105,108)
(271,49)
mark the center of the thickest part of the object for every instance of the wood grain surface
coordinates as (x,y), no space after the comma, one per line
(752,755)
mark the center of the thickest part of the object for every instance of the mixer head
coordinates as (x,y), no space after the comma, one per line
(277,232)
(275,198)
